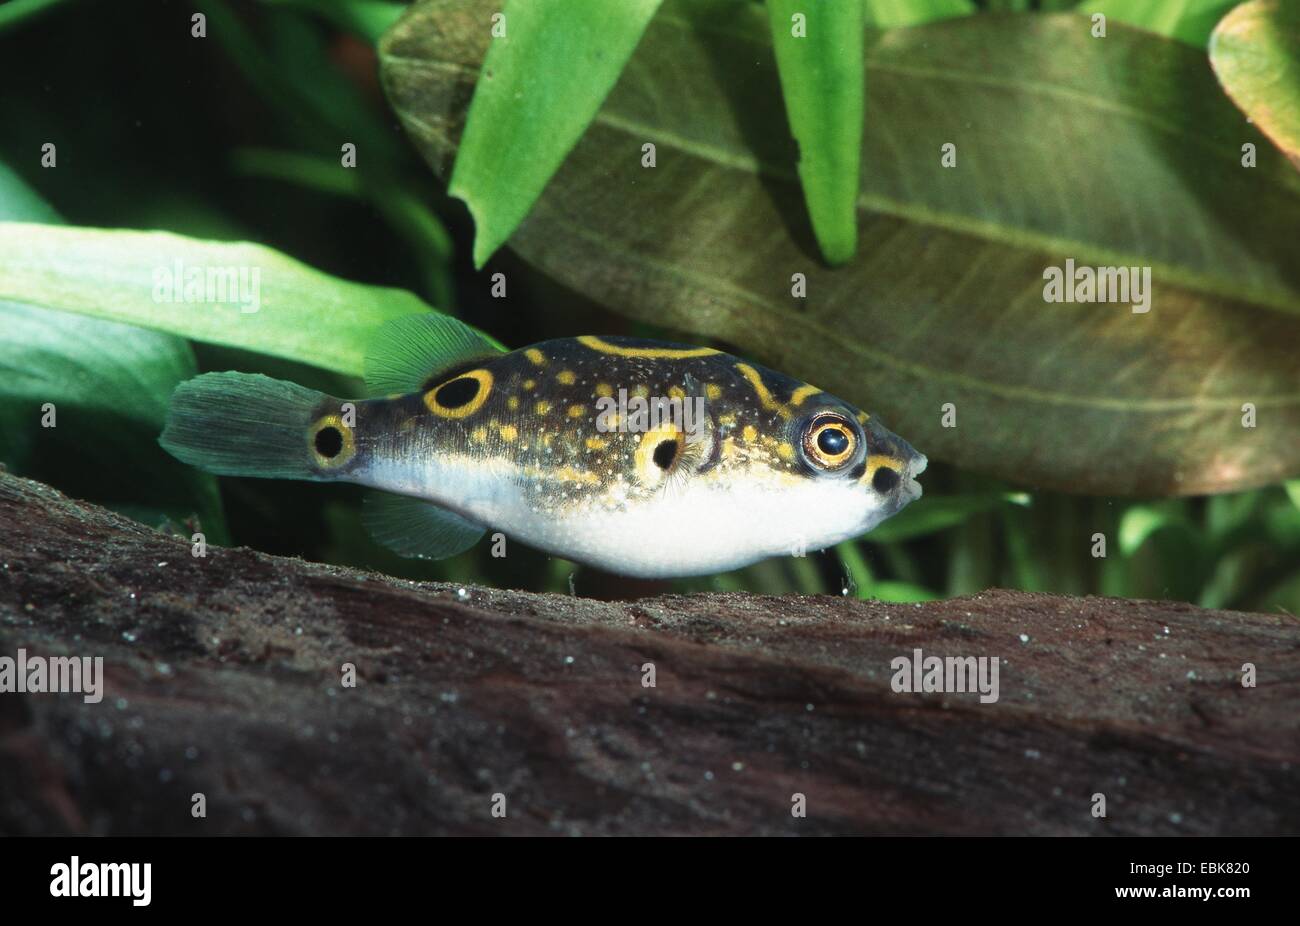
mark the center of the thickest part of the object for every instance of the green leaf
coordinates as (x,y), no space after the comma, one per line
(1140,522)
(819,55)
(368,19)
(107,385)
(1256,53)
(898,592)
(939,513)
(17,11)
(542,81)
(1119,152)
(893,14)
(86,418)
(1189,21)
(266,302)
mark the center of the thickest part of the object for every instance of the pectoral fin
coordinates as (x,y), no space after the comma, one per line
(416,528)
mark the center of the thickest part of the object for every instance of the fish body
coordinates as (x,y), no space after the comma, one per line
(638,457)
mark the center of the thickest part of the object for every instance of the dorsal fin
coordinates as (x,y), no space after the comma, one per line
(407,352)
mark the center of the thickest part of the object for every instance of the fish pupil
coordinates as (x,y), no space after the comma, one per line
(329,442)
(884,479)
(458,392)
(832,442)
(665,453)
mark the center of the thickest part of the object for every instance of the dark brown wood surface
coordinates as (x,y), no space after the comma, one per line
(224,678)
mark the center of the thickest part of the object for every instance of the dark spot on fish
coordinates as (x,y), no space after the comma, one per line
(329,442)
(884,480)
(665,453)
(458,392)
(857,471)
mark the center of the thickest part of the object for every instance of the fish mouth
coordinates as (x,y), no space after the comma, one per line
(915,467)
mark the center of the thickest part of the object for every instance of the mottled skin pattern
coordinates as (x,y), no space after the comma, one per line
(514,442)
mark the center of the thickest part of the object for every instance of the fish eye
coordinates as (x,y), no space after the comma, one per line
(829,441)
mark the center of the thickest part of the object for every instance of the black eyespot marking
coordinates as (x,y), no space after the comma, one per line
(329,442)
(857,471)
(665,453)
(458,392)
(832,442)
(884,480)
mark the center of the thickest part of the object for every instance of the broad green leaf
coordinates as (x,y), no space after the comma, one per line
(819,55)
(546,73)
(240,295)
(893,14)
(1119,152)
(1256,53)
(1189,21)
(75,413)
(107,386)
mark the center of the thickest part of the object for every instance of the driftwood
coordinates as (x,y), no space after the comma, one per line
(223,678)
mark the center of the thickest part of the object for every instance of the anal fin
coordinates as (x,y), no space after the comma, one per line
(415,528)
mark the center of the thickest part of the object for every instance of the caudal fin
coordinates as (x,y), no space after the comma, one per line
(241,424)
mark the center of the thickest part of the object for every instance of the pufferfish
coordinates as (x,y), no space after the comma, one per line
(637,457)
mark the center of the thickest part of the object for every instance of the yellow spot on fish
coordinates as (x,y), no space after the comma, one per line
(750,434)
(785,451)
(596,443)
(569,474)
(641,392)
(713,391)
(508,432)
(862,417)
(478,435)
(676,392)
(660,353)
(576,411)
(529,384)
(543,407)
(605,390)
(566,377)
(512,402)
(536,356)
